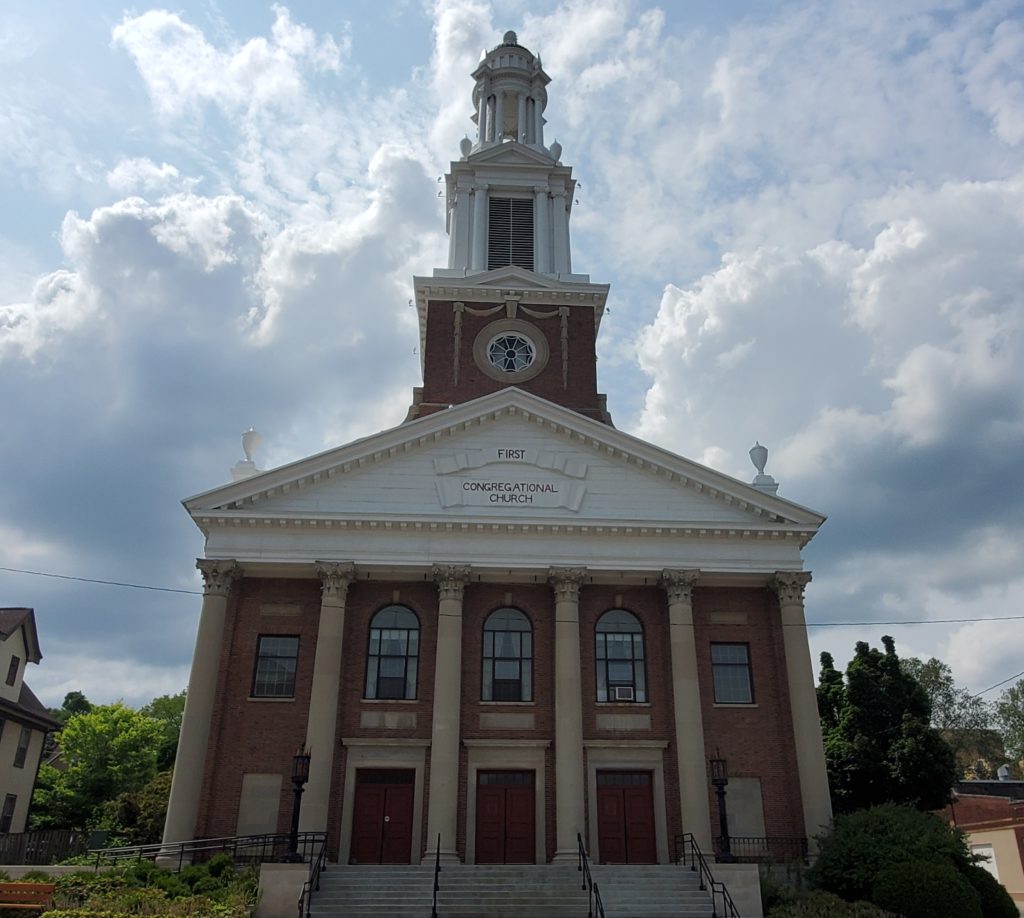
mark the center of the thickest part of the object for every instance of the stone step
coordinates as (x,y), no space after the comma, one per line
(508,891)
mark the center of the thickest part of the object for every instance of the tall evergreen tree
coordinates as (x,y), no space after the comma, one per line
(879,744)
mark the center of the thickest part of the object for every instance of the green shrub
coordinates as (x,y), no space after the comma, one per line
(220,864)
(923,889)
(996,902)
(826,905)
(863,844)
(35,876)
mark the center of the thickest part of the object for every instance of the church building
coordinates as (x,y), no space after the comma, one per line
(502,622)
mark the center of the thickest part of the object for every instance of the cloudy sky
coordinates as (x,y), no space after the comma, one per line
(811,215)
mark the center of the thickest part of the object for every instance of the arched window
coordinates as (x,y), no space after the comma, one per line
(620,657)
(394,653)
(508,657)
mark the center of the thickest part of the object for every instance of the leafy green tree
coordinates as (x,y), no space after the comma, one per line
(74,703)
(879,745)
(1010,721)
(137,817)
(109,750)
(861,845)
(964,720)
(166,710)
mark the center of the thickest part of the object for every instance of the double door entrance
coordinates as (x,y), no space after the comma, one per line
(625,818)
(505,826)
(382,816)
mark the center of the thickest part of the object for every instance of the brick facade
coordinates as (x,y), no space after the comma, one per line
(260,735)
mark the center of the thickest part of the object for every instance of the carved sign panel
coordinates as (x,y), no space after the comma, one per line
(516,484)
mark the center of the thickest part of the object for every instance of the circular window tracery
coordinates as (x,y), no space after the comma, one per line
(511,353)
(510,350)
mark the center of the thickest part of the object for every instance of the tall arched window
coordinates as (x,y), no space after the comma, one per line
(620,657)
(508,657)
(394,653)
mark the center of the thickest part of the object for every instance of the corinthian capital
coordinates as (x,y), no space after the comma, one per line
(335,576)
(789,585)
(566,581)
(678,585)
(451,580)
(218,576)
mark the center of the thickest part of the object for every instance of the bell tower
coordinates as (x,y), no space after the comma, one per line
(508,310)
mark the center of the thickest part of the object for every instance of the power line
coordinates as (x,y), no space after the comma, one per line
(811,624)
(133,586)
(1010,679)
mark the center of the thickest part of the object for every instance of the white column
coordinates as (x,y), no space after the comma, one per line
(529,119)
(521,117)
(538,122)
(443,801)
(689,725)
(490,117)
(569,773)
(499,115)
(803,703)
(560,232)
(481,115)
(189,765)
(322,722)
(541,224)
(459,252)
(479,247)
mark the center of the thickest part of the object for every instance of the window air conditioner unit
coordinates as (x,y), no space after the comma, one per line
(624,693)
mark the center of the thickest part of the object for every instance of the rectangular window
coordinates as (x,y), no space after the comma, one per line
(510,233)
(276,658)
(12,670)
(730,664)
(7,815)
(22,751)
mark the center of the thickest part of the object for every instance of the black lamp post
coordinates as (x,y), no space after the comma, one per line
(719,778)
(300,775)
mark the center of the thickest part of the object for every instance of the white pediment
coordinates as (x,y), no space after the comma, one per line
(509,458)
(511,154)
(506,481)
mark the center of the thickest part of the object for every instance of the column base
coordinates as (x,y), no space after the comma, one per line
(567,855)
(447,857)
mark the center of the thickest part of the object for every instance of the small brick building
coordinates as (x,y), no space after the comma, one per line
(502,622)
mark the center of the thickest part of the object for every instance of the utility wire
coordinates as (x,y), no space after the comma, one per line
(134,586)
(811,624)
(1010,679)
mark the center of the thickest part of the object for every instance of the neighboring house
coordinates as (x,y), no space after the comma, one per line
(991,815)
(24,722)
(503,622)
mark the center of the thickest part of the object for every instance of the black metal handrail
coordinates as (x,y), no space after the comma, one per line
(689,854)
(437,876)
(318,864)
(595,907)
(765,849)
(247,849)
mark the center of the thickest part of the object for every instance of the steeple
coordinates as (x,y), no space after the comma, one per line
(507,310)
(509,197)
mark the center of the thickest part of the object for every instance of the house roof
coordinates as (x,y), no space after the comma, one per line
(11,619)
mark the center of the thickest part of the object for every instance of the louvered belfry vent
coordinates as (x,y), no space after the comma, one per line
(510,233)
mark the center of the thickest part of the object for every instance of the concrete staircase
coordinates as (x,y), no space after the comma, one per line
(649,891)
(501,891)
(509,891)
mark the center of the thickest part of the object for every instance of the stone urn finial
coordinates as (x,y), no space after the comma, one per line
(759,456)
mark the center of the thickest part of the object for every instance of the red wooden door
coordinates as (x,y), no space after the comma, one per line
(625,818)
(382,817)
(505,827)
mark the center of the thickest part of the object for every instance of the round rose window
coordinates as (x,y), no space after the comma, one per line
(511,353)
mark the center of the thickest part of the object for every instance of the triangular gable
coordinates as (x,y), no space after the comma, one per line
(559,466)
(511,154)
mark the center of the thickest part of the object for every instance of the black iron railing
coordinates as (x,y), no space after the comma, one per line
(771,849)
(595,907)
(317,864)
(46,846)
(244,849)
(437,876)
(688,854)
